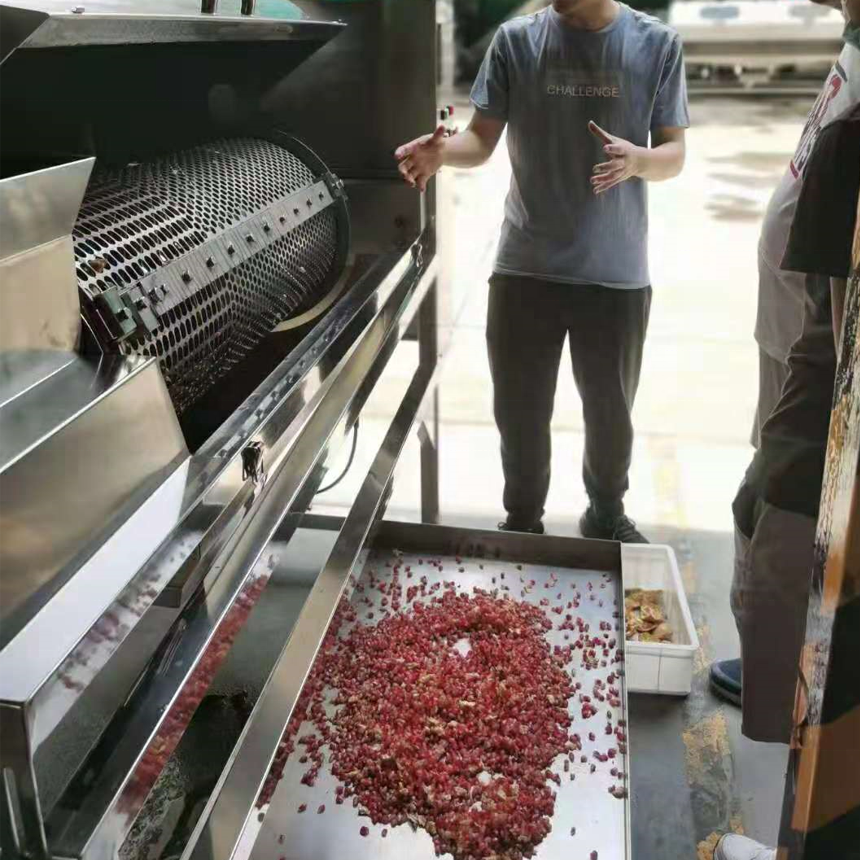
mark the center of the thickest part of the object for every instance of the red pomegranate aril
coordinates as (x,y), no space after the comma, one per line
(364,831)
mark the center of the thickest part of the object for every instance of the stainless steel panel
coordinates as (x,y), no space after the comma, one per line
(94,827)
(472,561)
(77,452)
(38,207)
(39,305)
(230,824)
(354,100)
(194,512)
(39,308)
(115,23)
(22,369)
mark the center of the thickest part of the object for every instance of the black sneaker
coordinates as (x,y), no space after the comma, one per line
(727,680)
(618,527)
(536,529)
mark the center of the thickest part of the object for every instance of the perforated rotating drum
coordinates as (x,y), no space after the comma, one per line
(196,257)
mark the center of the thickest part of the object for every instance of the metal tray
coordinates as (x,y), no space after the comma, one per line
(601,821)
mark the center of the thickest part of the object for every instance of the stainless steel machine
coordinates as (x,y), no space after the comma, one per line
(207,262)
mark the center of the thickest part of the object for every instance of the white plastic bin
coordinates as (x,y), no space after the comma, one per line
(656,667)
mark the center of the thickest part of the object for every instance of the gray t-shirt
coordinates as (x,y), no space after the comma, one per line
(547,80)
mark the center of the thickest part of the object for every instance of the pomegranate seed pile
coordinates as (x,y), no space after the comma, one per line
(448,712)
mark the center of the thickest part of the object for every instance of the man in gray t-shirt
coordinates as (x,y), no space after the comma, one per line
(583,87)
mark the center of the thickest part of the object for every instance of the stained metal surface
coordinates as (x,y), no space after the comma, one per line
(352,100)
(73,431)
(601,821)
(194,513)
(71,647)
(20,370)
(39,307)
(117,785)
(38,207)
(40,25)
(230,826)
(201,531)
(204,253)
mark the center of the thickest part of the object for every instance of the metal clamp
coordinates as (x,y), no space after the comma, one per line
(335,185)
(116,315)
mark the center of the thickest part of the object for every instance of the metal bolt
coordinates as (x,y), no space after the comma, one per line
(186,277)
(266,227)
(250,238)
(231,249)
(282,219)
(210,262)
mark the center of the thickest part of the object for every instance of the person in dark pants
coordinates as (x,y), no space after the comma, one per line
(782,294)
(527,324)
(572,260)
(777,507)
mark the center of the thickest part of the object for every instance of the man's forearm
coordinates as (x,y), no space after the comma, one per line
(661,162)
(466,149)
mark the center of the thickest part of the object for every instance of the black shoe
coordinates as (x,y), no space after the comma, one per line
(727,680)
(615,526)
(536,529)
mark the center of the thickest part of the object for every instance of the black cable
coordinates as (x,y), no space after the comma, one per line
(348,462)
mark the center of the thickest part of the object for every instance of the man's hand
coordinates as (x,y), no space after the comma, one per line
(625,160)
(421,158)
(664,159)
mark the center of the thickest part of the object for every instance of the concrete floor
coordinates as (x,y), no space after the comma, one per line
(694,775)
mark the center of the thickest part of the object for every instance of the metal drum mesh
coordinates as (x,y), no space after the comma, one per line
(138,218)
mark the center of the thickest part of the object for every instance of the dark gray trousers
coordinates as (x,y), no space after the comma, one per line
(527,324)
